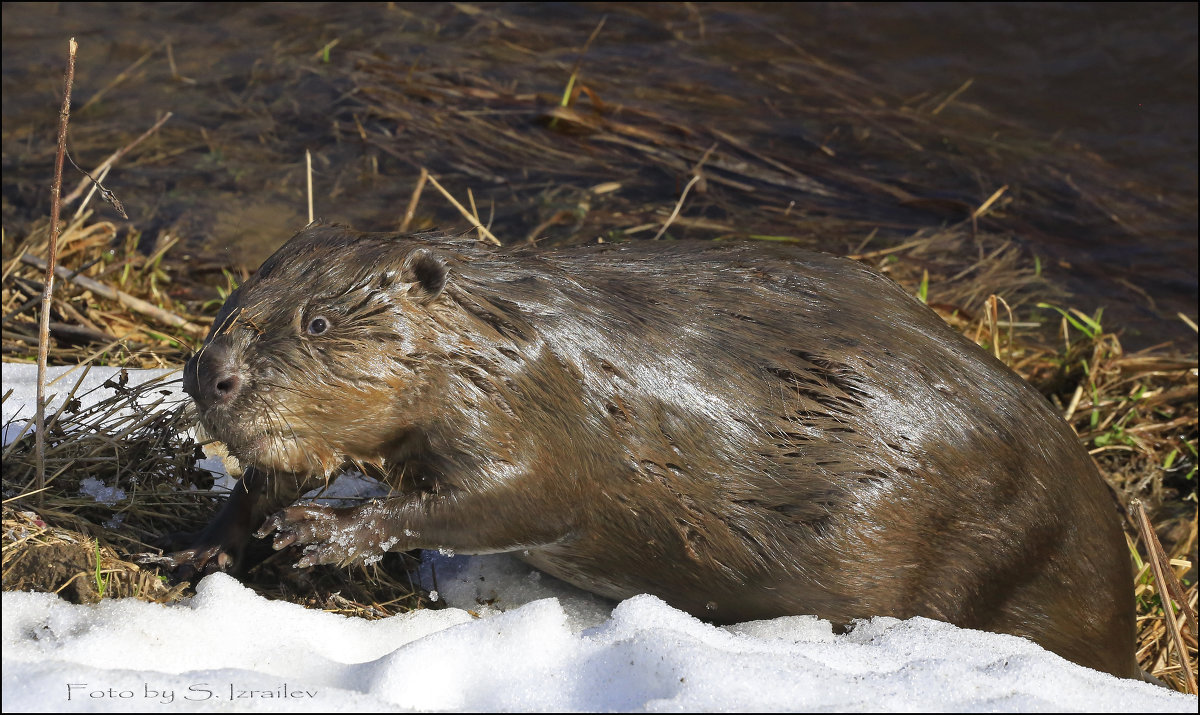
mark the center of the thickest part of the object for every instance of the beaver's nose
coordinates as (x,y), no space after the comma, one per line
(211,376)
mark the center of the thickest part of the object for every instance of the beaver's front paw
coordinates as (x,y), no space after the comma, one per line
(187,564)
(328,535)
(220,546)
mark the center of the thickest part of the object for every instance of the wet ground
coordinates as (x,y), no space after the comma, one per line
(1102,96)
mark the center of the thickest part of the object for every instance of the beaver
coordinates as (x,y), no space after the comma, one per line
(744,430)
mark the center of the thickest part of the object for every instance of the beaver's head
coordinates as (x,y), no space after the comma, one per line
(319,355)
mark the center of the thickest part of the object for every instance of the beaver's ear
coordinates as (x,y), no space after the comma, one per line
(427,272)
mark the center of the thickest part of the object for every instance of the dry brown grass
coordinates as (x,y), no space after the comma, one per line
(130,318)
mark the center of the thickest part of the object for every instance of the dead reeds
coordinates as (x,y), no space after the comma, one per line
(112,304)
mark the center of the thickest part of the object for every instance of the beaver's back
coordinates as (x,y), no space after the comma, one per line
(807,438)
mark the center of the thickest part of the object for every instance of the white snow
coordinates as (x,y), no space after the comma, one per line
(62,381)
(511,639)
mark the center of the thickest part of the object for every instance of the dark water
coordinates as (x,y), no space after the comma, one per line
(1120,79)
(1117,79)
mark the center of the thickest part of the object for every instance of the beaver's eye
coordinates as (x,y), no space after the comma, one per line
(318,326)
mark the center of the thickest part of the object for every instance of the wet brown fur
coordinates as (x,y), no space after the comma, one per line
(744,430)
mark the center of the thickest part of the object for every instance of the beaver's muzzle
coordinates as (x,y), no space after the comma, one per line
(211,377)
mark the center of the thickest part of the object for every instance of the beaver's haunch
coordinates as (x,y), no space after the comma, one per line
(746,431)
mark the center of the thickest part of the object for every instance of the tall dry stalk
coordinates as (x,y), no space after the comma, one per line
(64,117)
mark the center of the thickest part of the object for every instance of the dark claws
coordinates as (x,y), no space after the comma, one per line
(272,523)
(187,564)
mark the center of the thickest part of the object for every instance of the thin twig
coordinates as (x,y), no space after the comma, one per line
(105,193)
(696,176)
(678,206)
(466,214)
(991,313)
(474,209)
(1168,589)
(953,96)
(175,70)
(885,251)
(983,208)
(412,202)
(64,116)
(1075,398)
(308,173)
(113,159)
(96,184)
